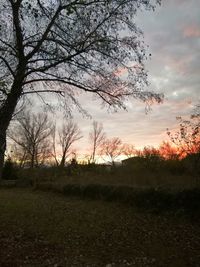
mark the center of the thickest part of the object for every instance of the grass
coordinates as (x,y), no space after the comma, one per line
(47,229)
(121,176)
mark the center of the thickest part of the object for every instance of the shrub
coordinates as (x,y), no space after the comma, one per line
(151,200)
(9,171)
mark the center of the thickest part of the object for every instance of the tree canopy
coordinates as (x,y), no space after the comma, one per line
(71,45)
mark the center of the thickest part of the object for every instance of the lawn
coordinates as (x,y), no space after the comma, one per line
(47,229)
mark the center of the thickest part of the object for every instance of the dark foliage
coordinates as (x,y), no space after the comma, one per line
(185,202)
(9,171)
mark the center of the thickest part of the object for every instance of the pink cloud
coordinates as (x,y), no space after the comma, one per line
(179,65)
(120,71)
(191,31)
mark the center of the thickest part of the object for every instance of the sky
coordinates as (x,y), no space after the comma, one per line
(173,35)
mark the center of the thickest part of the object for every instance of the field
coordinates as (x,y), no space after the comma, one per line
(49,229)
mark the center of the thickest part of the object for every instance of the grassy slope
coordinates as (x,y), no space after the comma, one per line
(45,229)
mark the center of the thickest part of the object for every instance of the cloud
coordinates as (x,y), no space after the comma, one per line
(191,31)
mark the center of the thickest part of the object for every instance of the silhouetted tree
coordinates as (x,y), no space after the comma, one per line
(31,133)
(68,134)
(63,46)
(168,151)
(111,149)
(148,152)
(187,140)
(97,137)
(129,150)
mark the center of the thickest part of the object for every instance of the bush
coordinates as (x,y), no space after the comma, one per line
(9,171)
(151,200)
(192,164)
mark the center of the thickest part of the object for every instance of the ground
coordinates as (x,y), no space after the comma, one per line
(47,229)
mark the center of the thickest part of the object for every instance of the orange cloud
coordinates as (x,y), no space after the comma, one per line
(191,31)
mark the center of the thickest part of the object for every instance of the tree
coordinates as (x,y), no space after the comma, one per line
(63,46)
(112,149)
(187,141)
(54,151)
(129,150)
(68,134)
(31,132)
(168,151)
(151,156)
(148,152)
(187,138)
(97,136)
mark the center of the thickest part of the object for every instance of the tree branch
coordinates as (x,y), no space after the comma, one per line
(7,65)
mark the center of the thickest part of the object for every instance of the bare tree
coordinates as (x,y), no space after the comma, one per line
(54,145)
(129,150)
(149,152)
(30,132)
(112,149)
(187,141)
(68,135)
(97,137)
(187,138)
(65,46)
(168,151)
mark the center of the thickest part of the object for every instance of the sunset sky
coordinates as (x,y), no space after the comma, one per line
(173,35)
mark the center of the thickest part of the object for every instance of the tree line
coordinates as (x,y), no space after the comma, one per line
(35,139)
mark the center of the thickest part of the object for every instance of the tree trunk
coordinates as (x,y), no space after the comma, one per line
(32,160)
(2,150)
(93,153)
(62,162)
(5,118)
(7,110)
